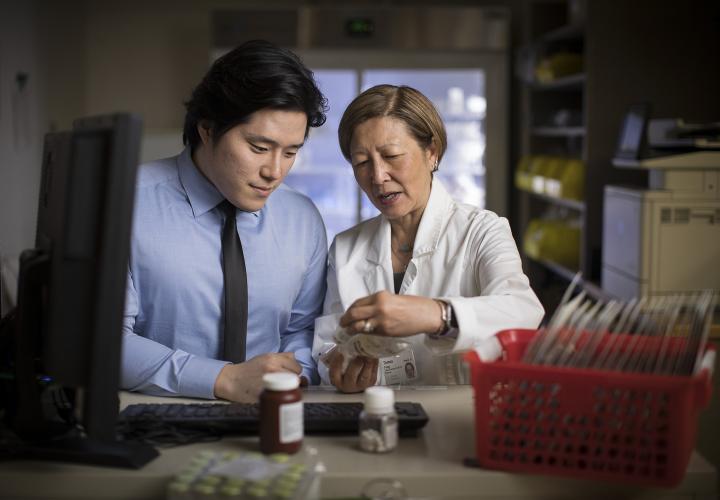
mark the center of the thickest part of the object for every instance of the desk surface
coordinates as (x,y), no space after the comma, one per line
(428,466)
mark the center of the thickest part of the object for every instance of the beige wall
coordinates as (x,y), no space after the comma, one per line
(146,59)
(22,122)
(138,56)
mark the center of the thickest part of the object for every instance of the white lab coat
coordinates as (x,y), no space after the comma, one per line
(462,254)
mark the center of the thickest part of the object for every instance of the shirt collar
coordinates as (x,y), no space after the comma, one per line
(201,193)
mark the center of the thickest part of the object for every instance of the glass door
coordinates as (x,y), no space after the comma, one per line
(468,90)
(320,170)
(459,96)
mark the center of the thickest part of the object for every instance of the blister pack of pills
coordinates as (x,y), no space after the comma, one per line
(245,475)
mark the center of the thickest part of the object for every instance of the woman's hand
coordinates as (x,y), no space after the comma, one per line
(384,313)
(360,374)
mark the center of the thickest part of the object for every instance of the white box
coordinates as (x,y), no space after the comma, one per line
(659,242)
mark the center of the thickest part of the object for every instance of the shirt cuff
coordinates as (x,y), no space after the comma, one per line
(311,376)
(199,376)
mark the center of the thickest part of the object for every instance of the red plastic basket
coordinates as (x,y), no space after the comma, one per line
(627,427)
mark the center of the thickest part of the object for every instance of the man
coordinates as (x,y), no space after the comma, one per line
(185,319)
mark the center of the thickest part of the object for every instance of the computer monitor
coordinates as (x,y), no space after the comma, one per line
(71,295)
(632,143)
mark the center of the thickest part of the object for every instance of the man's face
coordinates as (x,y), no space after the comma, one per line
(251,159)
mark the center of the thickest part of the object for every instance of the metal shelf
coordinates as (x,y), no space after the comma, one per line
(567,32)
(592,289)
(679,161)
(556,268)
(564,202)
(558,131)
(576,81)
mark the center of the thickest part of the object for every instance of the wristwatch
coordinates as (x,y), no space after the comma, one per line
(449,329)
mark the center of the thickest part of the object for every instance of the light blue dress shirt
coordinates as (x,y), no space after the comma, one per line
(173,326)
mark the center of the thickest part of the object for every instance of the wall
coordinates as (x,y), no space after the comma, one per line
(22,121)
(103,56)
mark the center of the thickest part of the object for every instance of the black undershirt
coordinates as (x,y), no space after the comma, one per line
(398,279)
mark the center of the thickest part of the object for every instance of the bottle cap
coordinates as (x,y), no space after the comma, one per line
(281,381)
(379,400)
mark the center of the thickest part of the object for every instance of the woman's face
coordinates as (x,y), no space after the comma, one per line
(391,167)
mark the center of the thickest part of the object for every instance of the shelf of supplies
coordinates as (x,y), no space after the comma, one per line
(558,131)
(563,202)
(576,81)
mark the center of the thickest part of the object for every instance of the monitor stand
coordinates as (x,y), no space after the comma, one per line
(87,451)
(38,431)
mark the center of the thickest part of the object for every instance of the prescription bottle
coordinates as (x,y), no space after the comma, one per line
(378,425)
(281,414)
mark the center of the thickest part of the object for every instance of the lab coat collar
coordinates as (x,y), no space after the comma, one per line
(433,219)
(379,275)
(428,235)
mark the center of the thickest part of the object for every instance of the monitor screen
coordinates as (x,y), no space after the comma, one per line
(71,290)
(631,143)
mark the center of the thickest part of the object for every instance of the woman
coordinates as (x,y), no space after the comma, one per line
(454,268)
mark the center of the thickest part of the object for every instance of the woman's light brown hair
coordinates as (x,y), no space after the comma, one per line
(402,103)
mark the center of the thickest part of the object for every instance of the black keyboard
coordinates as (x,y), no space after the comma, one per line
(242,418)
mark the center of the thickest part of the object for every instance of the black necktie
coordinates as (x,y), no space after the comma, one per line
(236,293)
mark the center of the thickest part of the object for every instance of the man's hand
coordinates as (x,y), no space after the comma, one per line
(384,313)
(360,374)
(243,382)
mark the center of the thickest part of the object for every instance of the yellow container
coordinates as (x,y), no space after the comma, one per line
(538,172)
(558,65)
(572,179)
(523,178)
(554,169)
(553,240)
(532,240)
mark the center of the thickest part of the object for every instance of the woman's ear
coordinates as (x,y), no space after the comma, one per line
(205,131)
(432,157)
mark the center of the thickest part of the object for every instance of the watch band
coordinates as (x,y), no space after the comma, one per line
(447,330)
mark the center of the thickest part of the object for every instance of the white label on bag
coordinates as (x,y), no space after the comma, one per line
(291,422)
(399,369)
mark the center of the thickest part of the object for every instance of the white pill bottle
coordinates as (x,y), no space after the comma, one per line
(378,425)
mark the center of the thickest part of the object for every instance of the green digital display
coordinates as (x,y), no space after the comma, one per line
(360,27)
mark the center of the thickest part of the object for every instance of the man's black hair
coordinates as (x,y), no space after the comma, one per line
(254,76)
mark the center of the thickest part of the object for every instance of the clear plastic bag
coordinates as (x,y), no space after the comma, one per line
(361,344)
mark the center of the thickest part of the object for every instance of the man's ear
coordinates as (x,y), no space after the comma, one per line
(205,130)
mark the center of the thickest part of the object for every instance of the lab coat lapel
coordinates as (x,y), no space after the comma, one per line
(378,274)
(370,269)
(431,224)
